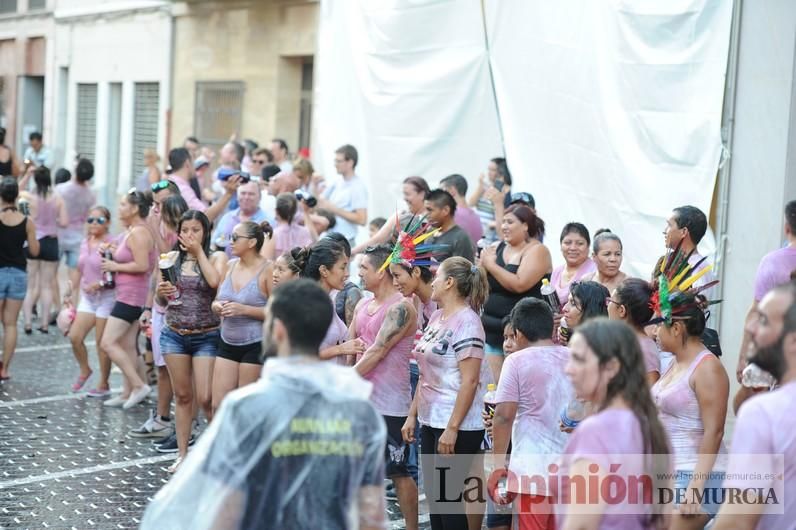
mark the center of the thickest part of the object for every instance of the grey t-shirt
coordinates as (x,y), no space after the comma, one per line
(457,243)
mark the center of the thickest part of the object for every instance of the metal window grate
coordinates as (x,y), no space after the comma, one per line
(36,4)
(218,110)
(86,135)
(145,123)
(305,112)
(8,6)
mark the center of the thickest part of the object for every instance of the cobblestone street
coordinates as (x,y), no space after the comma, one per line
(65,460)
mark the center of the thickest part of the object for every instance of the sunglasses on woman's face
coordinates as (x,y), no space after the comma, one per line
(97,220)
(160,185)
(235,237)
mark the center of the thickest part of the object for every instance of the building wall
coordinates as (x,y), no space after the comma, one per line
(261,43)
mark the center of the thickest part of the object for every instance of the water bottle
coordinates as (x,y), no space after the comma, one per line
(108,281)
(24,207)
(490,404)
(481,245)
(573,414)
(564,333)
(551,296)
(755,377)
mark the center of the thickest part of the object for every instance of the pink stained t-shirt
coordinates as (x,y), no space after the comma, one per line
(194,203)
(764,429)
(534,379)
(774,269)
(649,349)
(287,236)
(610,437)
(89,263)
(470,222)
(392,392)
(588,267)
(132,289)
(444,344)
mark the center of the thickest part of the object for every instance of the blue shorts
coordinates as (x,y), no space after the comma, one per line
(491,350)
(72,254)
(13,283)
(711,493)
(198,345)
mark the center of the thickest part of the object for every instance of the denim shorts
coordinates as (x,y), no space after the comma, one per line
(711,493)
(198,345)
(491,350)
(72,254)
(13,283)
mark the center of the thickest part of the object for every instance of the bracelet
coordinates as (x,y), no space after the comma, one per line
(145,308)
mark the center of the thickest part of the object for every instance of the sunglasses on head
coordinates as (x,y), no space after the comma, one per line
(98,220)
(234,237)
(160,185)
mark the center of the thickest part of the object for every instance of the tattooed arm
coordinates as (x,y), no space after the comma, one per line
(353,296)
(400,322)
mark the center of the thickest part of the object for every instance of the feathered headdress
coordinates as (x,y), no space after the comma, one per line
(675,293)
(410,248)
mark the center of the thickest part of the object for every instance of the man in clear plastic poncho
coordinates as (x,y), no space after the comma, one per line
(301,448)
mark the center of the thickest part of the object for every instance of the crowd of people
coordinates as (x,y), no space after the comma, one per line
(238,272)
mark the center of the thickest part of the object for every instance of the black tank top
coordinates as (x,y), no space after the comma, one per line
(11,252)
(7,167)
(501,301)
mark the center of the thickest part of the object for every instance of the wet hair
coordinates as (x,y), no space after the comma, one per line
(611,339)
(456,181)
(306,312)
(419,184)
(178,157)
(258,231)
(43,180)
(378,222)
(471,281)
(286,207)
(378,255)
(290,259)
(341,240)
(62,175)
(591,297)
(324,252)
(635,295)
(426,276)
(172,209)
(693,219)
(9,190)
(140,200)
(349,152)
(790,216)
(533,318)
(525,214)
(441,199)
(575,228)
(602,235)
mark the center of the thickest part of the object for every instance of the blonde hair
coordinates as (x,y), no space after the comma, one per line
(151,152)
(304,166)
(471,280)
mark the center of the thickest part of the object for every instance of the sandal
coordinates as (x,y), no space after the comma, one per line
(77,386)
(173,467)
(28,330)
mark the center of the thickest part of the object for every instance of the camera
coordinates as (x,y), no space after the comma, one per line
(310,201)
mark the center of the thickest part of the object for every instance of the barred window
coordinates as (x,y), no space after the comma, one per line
(86,134)
(218,110)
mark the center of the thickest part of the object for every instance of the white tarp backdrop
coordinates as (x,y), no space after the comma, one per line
(610,111)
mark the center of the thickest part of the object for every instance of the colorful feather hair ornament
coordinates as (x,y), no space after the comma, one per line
(412,248)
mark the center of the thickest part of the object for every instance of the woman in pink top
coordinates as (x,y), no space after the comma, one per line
(575,249)
(96,299)
(451,389)
(630,302)
(133,262)
(606,369)
(48,213)
(692,401)
(288,233)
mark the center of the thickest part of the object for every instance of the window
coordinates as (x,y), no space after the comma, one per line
(305,115)
(86,134)
(37,4)
(218,110)
(8,6)
(145,123)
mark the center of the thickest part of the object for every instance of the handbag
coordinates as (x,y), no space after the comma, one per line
(66,316)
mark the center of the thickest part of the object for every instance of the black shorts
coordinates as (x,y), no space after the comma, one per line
(396,453)
(246,353)
(126,312)
(48,249)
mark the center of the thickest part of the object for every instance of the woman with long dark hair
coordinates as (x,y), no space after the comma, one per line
(607,370)
(586,300)
(515,268)
(15,230)
(96,300)
(48,213)
(630,302)
(132,263)
(189,340)
(240,303)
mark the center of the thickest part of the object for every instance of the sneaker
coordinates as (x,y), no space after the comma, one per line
(80,382)
(137,396)
(173,467)
(170,445)
(98,393)
(153,427)
(117,401)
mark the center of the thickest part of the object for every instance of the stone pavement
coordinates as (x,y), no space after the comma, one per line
(65,460)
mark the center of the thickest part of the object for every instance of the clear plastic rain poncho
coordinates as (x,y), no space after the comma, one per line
(301,448)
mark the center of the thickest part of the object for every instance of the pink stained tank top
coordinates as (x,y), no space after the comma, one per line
(132,289)
(46,213)
(678,410)
(392,394)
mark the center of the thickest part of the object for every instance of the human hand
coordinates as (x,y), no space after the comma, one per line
(447,442)
(108,265)
(166,290)
(408,430)
(488,256)
(232,184)
(232,309)
(191,244)
(352,347)
(487,422)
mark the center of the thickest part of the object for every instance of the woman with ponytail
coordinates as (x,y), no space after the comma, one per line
(288,233)
(241,303)
(450,393)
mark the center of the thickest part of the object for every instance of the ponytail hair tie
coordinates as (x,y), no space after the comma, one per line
(474,270)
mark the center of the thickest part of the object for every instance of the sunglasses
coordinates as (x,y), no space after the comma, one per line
(97,220)
(160,185)
(609,301)
(234,237)
(255,161)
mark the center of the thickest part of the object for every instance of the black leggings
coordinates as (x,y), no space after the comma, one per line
(447,515)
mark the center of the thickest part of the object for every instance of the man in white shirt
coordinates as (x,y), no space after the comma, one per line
(38,154)
(346,196)
(280,152)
